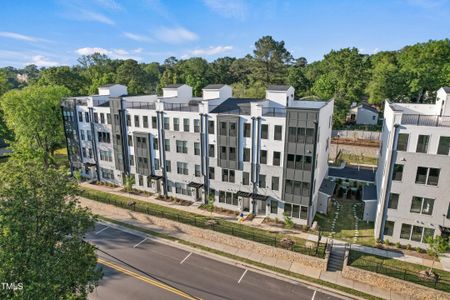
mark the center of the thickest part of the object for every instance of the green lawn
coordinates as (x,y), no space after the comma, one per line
(358,159)
(345,224)
(398,269)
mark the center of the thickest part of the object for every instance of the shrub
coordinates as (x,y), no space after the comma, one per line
(419,250)
(408,247)
(288,223)
(387,242)
(397,245)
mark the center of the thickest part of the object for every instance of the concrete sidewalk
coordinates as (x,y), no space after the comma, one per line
(444,264)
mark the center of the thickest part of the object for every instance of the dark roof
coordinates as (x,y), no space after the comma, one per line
(369,192)
(243,194)
(363,174)
(278,87)
(234,105)
(327,187)
(214,86)
(174,86)
(446,89)
(194,185)
(368,107)
(108,85)
(104,104)
(259,197)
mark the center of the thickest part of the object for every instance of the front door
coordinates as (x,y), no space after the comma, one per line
(246,204)
(260,207)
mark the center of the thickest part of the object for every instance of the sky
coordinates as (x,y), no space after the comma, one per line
(56,32)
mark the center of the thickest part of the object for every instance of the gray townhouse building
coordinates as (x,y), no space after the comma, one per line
(263,156)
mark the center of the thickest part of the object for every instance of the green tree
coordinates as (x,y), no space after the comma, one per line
(129,182)
(221,70)
(194,72)
(436,247)
(153,73)
(270,61)
(131,74)
(296,78)
(64,76)
(34,116)
(42,229)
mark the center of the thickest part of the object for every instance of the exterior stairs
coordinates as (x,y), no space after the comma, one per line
(336,258)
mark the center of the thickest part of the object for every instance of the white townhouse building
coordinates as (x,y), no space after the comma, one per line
(265,156)
(413,176)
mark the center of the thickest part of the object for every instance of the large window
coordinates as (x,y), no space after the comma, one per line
(402,143)
(166,124)
(232,153)
(296,211)
(212,151)
(182,147)
(276,158)
(393,201)
(212,173)
(233,129)
(136,121)
(247,154)
(275,183)
(263,156)
(154,123)
(228,175)
(429,176)
(196,125)
(223,128)
(444,145)
(264,131)
(167,145)
(246,179)
(273,207)
(262,181)
(196,148)
(278,132)
(197,171)
(182,168)
(210,127)
(145,121)
(422,143)
(422,205)
(228,198)
(389,228)
(176,124)
(186,125)
(415,233)
(223,152)
(247,127)
(405,232)
(398,172)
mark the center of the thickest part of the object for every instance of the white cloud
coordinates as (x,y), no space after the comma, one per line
(137,37)
(228,8)
(175,35)
(209,51)
(113,53)
(87,15)
(18,36)
(42,61)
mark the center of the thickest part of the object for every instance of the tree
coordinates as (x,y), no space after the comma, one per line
(42,229)
(129,182)
(153,73)
(131,74)
(221,70)
(194,72)
(436,247)
(270,60)
(210,204)
(34,116)
(296,78)
(64,76)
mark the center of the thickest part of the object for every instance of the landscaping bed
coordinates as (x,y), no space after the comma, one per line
(239,230)
(399,269)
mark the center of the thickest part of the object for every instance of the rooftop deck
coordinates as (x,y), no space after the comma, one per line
(425,120)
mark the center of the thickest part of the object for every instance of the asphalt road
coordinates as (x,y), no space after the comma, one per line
(139,268)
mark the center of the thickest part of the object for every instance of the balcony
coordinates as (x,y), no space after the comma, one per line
(426,120)
(273,112)
(140,105)
(180,107)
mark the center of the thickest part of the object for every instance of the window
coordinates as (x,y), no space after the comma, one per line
(154,123)
(292,135)
(166,124)
(448,211)
(155,144)
(182,147)
(104,137)
(156,161)
(211,151)
(83,152)
(405,232)
(197,171)
(393,201)
(108,118)
(232,153)
(95,117)
(278,132)
(305,189)
(141,142)
(247,154)
(196,148)
(233,129)
(309,135)
(275,183)
(223,128)
(264,131)
(82,135)
(389,228)
(222,197)
(131,160)
(145,121)
(287,209)
(247,127)
(102,118)
(276,158)
(223,152)
(211,173)
(128,120)
(402,143)
(80,116)
(422,143)
(167,145)
(130,141)
(304,212)
(398,172)
(246,181)
(90,152)
(429,176)
(176,124)
(168,166)
(307,163)
(422,205)
(116,120)
(263,157)
(273,207)
(89,136)
(105,155)
(141,180)
(444,145)
(182,168)
(228,175)
(107,174)
(86,117)
(210,127)
(186,125)
(262,181)
(288,186)
(295,211)
(416,234)
(291,161)
(196,125)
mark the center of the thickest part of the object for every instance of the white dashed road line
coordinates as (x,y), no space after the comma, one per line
(140,243)
(181,262)
(101,230)
(314,295)
(243,274)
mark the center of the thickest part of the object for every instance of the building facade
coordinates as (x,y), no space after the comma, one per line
(413,176)
(362,114)
(264,156)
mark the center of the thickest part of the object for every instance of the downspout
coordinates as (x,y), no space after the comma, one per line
(203,158)
(313,170)
(94,142)
(389,181)
(67,140)
(162,150)
(124,135)
(206,129)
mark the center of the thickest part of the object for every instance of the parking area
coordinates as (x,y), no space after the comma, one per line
(138,267)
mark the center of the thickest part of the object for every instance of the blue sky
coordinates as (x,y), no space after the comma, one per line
(57,32)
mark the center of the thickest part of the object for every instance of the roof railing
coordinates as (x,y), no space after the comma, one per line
(426,120)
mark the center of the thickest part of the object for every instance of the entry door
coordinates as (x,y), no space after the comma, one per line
(246,204)
(261,207)
(158,186)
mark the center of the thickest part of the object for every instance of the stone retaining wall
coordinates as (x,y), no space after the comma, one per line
(209,235)
(398,288)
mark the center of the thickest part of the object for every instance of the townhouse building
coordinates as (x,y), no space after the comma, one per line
(413,176)
(264,156)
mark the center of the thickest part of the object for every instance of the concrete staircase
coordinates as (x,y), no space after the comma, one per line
(336,259)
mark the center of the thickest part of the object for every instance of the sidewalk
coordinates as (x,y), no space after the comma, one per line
(257,223)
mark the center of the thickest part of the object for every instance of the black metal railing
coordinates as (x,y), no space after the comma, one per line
(180,107)
(229,109)
(273,112)
(426,120)
(140,105)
